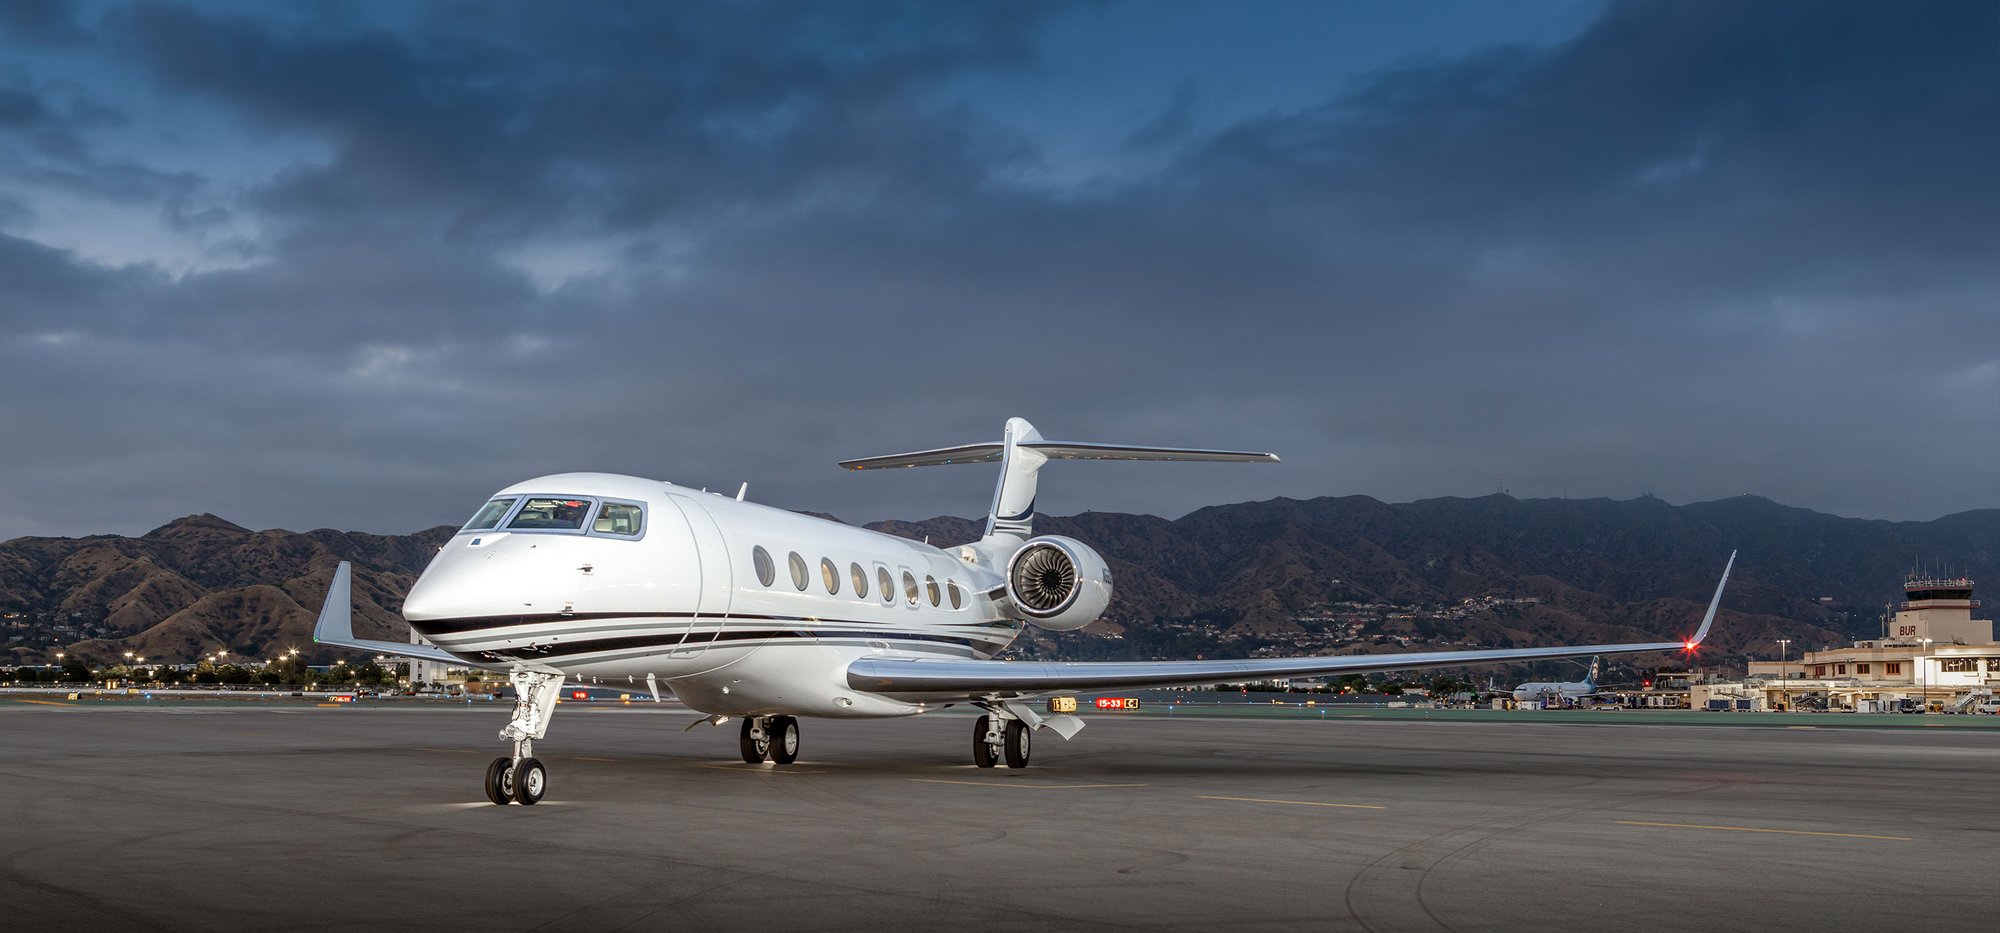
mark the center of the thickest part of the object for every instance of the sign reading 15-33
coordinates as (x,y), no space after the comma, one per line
(1068,704)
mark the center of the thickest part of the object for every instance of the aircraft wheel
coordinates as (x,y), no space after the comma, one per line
(500,781)
(755,749)
(982,751)
(1017,744)
(531,780)
(785,741)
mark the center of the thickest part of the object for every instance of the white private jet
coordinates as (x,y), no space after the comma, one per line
(749,611)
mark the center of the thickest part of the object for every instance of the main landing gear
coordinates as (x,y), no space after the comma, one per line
(774,738)
(522,778)
(998,736)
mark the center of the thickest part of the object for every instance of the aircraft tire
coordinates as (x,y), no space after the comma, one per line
(785,743)
(982,753)
(754,751)
(1017,744)
(500,781)
(531,781)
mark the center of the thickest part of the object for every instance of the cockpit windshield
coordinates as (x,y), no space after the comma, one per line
(618,518)
(489,515)
(555,514)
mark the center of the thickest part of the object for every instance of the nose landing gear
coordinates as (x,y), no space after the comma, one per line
(522,778)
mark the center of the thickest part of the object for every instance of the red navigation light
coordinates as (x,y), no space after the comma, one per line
(579,694)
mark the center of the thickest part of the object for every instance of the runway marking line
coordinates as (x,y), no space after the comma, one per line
(1753,829)
(46,703)
(582,758)
(1014,784)
(1295,803)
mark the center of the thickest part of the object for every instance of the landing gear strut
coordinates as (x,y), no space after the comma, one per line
(997,737)
(773,738)
(522,778)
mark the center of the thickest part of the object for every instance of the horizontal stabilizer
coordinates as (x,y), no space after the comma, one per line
(336,625)
(1021,452)
(1056,450)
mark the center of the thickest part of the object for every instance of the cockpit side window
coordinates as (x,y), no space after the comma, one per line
(551,514)
(490,514)
(619,518)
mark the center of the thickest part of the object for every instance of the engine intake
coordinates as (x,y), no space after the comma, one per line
(1059,583)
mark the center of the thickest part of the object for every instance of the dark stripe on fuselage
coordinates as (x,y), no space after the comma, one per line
(471,624)
(700,639)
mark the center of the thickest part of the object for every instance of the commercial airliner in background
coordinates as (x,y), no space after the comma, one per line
(755,612)
(1569,691)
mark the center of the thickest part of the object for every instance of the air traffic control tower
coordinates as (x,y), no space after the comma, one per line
(1932,651)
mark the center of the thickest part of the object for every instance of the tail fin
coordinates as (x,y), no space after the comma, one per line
(1591,678)
(1021,453)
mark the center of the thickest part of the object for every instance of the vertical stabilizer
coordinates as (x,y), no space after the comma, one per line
(1590,679)
(1013,511)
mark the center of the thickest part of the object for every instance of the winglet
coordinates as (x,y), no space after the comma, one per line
(336,617)
(1709,620)
(336,625)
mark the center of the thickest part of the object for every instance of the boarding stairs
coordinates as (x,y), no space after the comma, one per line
(1969,701)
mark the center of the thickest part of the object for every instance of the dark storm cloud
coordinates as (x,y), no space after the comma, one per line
(1702,248)
(480,118)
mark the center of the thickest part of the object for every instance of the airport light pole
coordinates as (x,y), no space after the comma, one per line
(1784,675)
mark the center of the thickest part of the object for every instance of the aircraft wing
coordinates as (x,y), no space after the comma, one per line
(336,626)
(926,679)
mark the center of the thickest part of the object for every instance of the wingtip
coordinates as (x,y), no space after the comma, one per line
(1715,603)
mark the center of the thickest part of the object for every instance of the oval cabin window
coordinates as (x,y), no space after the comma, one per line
(887,585)
(798,570)
(829,575)
(767,572)
(931,589)
(860,578)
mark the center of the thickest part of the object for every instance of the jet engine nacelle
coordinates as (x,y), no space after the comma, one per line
(1058,583)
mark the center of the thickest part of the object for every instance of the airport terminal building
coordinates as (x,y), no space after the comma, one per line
(1933,652)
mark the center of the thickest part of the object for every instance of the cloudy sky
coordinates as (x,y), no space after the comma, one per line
(358,264)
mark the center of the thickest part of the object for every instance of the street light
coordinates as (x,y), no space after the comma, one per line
(1784,674)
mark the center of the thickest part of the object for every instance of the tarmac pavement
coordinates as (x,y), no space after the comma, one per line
(293,816)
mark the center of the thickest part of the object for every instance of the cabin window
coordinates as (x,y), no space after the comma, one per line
(798,567)
(910,587)
(931,589)
(829,575)
(618,518)
(957,599)
(860,578)
(545,514)
(885,584)
(767,572)
(490,514)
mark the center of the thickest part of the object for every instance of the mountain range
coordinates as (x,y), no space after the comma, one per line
(1494,571)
